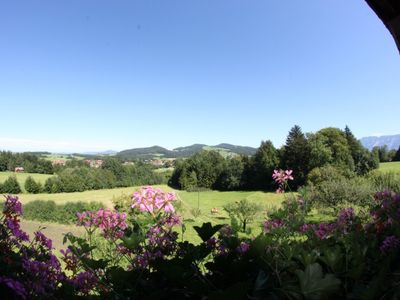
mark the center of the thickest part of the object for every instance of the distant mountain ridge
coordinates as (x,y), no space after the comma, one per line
(161,152)
(107,152)
(391,141)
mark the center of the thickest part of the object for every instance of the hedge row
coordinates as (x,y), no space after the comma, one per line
(49,211)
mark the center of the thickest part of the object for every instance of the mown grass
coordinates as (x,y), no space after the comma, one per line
(393,166)
(21,177)
(188,202)
(207,200)
(60,156)
(104,196)
(54,231)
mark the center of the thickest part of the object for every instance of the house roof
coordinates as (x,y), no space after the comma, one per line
(389,12)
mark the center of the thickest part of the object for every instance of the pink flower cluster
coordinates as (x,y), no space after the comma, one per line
(85,281)
(270,225)
(31,270)
(12,212)
(70,259)
(153,200)
(217,245)
(12,206)
(282,177)
(243,248)
(390,243)
(345,222)
(112,223)
(160,242)
(386,213)
(43,240)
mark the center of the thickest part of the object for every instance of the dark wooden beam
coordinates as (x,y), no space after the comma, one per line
(389,12)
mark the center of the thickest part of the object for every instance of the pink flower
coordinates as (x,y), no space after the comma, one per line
(12,206)
(43,240)
(288,175)
(243,247)
(269,225)
(85,281)
(282,177)
(153,200)
(112,223)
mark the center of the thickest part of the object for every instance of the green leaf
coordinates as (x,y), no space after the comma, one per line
(333,258)
(133,241)
(237,291)
(95,264)
(206,231)
(260,286)
(314,285)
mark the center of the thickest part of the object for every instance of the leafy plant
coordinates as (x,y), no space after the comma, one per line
(314,284)
(243,212)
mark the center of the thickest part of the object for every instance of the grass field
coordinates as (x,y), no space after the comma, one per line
(61,156)
(52,230)
(21,177)
(205,201)
(390,166)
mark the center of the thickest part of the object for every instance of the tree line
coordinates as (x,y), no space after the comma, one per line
(112,174)
(301,153)
(386,155)
(30,162)
(79,177)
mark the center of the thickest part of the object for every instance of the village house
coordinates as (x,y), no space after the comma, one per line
(58,162)
(94,163)
(19,170)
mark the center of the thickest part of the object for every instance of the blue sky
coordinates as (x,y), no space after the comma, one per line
(94,75)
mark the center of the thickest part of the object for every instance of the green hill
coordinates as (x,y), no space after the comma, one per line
(160,152)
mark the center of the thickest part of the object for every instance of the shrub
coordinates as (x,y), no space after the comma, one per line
(343,258)
(67,213)
(49,211)
(31,186)
(242,213)
(122,202)
(385,181)
(40,210)
(326,173)
(11,186)
(332,194)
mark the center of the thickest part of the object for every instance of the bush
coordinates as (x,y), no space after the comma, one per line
(122,202)
(11,186)
(333,194)
(326,173)
(385,181)
(31,186)
(49,211)
(242,213)
(40,210)
(343,258)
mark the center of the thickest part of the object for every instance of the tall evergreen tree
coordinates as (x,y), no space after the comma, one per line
(263,163)
(364,161)
(295,155)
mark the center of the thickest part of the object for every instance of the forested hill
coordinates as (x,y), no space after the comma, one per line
(161,152)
